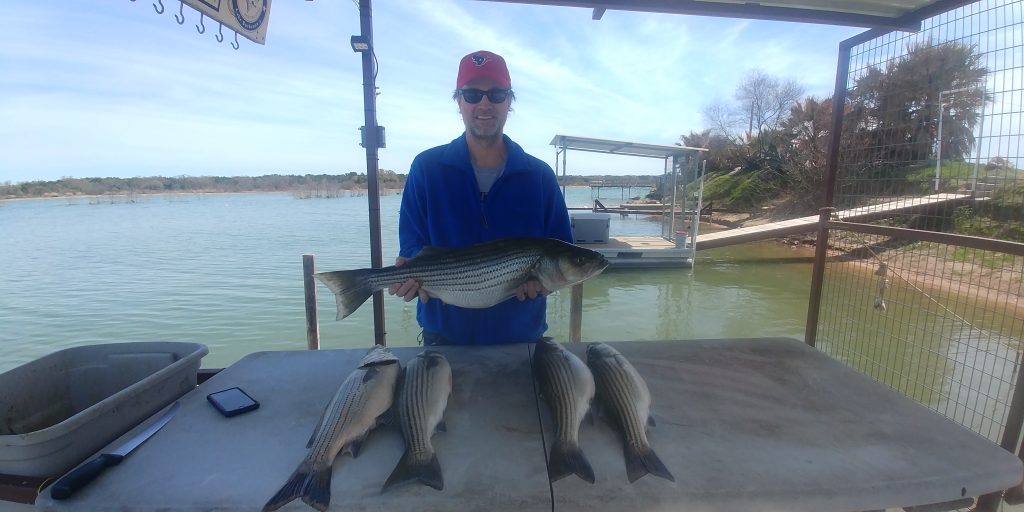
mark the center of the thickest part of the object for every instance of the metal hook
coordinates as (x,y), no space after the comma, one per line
(235,44)
(161,9)
(181,19)
(201,24)
(220,34)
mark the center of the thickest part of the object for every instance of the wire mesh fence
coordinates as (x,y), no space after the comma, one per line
(940,323)
(931,142)
(936,115)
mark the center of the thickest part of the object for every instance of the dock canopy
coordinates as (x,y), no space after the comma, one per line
(618,147)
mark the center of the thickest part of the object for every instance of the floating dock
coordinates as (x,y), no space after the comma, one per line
(643,252)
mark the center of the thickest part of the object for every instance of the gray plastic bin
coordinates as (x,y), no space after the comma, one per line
(58,410)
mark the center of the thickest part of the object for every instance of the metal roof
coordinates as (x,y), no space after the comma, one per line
(618,147)
(877,14)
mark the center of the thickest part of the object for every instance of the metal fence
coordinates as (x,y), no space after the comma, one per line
(921,288)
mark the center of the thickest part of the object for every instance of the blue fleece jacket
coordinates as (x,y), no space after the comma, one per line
(442,207)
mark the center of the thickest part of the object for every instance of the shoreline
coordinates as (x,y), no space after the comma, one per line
(384,191)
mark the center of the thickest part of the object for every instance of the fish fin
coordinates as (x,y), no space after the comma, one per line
(650,421)
(291,490)
(442,426)
(389,417)
(354,447)
(567,459)
(642,461)
(589,416)
(410,467)
(317,491)
(349,287)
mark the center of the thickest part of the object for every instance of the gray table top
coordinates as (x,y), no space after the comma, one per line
(758,424)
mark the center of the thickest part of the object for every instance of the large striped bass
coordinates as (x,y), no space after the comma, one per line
(365,395)
(478,276)
(423,391)
(624,394)
(567,387)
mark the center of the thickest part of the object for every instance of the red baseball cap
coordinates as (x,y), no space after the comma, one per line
(483,64)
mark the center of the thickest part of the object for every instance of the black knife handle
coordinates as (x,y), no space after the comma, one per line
(82,475)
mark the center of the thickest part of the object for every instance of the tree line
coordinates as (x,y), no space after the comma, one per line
(773,140)
(301,186)
(307,185)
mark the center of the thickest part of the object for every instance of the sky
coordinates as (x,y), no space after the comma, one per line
(97,88)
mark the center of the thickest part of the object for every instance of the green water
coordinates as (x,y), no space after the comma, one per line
(226,271)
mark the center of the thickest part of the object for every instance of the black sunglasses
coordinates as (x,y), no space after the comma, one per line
(494,95)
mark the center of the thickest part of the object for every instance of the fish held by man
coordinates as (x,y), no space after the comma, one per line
(624,395)
(478,276)
(356,408)
(568,387)
(423,391)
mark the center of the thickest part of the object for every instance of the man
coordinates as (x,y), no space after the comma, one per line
(480,187)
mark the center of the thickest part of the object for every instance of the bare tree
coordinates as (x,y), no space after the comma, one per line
(765,101)
(722,120)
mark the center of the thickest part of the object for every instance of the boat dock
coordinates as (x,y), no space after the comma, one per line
(625,186)
(662,252)
(643,252)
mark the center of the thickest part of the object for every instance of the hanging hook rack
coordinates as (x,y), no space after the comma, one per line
(235,44)
(159,10)
(201,27)
(180,19)
(220,33)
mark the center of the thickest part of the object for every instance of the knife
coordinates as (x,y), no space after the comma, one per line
(87,472)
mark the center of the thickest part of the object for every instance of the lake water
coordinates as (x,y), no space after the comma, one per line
(226,271)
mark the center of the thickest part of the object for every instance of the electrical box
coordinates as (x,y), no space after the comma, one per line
(380,137)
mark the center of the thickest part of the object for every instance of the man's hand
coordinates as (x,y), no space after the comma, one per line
(410,288)
(531,289)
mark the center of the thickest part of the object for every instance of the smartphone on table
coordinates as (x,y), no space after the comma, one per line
(232,401)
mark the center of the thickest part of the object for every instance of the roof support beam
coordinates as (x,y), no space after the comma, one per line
(738,10)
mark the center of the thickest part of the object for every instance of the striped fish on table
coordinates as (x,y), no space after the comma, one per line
(624,395)
(356,408)
(568,387)
(422,396)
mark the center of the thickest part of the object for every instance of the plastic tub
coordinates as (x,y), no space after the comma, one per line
(58,410)
(590,227)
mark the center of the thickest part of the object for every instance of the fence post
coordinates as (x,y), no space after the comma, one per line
(312,323)
(576,313)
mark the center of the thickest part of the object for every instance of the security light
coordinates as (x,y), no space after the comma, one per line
(360,44)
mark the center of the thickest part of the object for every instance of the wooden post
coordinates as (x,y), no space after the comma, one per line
(312,324)
(576,313)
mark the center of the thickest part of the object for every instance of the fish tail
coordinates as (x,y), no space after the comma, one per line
(317,491)
(641,461)
(567,459)
(410,467)
(292,489)
(350,289)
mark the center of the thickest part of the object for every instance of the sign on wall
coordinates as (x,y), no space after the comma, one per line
(246,17)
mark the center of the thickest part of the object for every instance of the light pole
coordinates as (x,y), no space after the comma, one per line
(938,138)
